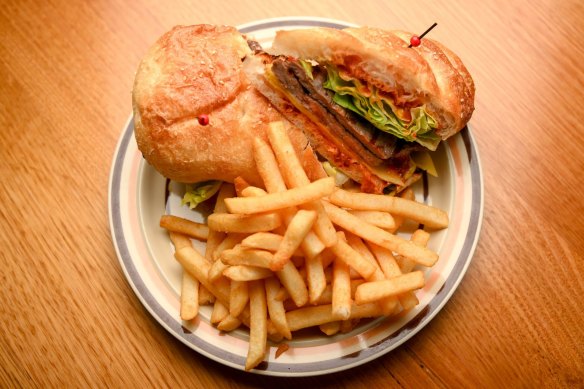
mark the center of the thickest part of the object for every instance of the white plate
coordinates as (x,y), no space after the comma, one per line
(138,196)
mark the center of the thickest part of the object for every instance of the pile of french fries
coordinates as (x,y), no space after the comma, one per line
(298,254)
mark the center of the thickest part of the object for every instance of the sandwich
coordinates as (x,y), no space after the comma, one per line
(196,114)
(371,106)
(358,103)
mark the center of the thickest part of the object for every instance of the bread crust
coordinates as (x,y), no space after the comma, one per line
(425,75)
(193,70)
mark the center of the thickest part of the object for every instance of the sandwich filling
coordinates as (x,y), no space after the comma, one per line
(361,120)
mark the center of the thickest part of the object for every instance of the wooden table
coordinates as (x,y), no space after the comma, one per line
(68,315)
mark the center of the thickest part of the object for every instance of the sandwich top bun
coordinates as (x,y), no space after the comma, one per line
(427,75)
(194,70)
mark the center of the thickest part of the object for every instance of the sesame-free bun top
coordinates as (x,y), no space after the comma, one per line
(194,70)
(429,74)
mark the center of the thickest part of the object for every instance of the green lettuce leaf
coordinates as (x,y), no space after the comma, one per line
(195,194)
(366,102)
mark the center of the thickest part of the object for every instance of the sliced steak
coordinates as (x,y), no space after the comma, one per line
(287,75)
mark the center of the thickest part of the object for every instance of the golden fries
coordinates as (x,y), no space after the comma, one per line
(184,226)
(246,273)
(189,297)
(258,331)
(294,284)
(251,257)
(227,222)
(341,303)
(295,233)
(377,218)
(238,297)
(376,290)
(276,307)
(380,237)
(315,277)
(275,262)
(429,216)
(275,201)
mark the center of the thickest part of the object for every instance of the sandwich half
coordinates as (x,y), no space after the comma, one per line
(369,105)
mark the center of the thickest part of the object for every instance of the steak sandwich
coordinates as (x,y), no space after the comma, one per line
(368,103)
(358,103)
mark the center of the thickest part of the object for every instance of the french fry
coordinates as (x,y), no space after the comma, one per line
(377,218)
(276,307)
(179,240)
(315,278)
(357,243)
(276,201)
(297,230)
(347,326)
(327,257)
(431,217)
(380,237)
(246,273)
(249,257)
(320,314)
(229,323)
(341,290)
(205,297)
(327,295)
(376,290)
(330,328)
(239,183)
(226,191)
(282,294)
(407,194)
(351,257)
(198,266)
(388,304)
(189,297)
(290,166)
(184,226)
(253,191)
(323,226)
(227,222)
(213,240)
(238,297)
(309,317)
(268,167)
(282,348)
(294,284)
(408,300)
(258,331)
(386,261)
(230,241)
(420,238)
(311,245)
(216,237)
(216,270)
(268,241)
(263,240)
(219,312)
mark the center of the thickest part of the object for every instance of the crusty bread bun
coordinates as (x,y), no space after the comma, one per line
(425,75)
(194,70)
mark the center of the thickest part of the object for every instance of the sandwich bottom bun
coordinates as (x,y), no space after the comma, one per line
(196,70)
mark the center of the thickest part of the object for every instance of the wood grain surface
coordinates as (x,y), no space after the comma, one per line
(68,317)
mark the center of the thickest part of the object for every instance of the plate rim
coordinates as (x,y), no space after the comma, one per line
(476,214)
